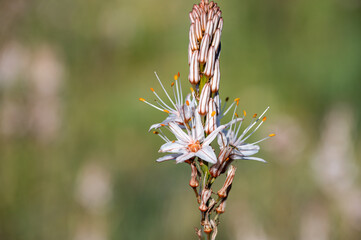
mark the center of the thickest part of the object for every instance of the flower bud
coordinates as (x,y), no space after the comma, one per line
(216,39)
(194,69)
(192,37)
(191,17)
(189,53)
(209,69)
(198,29)
(215,22)
(194,177)
(204,49)
(209,28)
(222,193)
(203,20)
(216,78)
(204,99)
(220,24)
(222,206)
(210,125)
(206,194)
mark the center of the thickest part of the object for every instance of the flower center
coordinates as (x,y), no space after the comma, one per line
(194,147)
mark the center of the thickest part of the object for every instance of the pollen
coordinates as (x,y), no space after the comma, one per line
(152,89)
(194,147)
(172,84)
(244,113)
(213,113)
(255,115)
(264,119)
(155,132)
(187,102)
(175,77)
(165,110)
(142,99)
(272,135)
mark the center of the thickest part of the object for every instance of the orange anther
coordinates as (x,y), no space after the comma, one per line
(244,112)
(272,135)
(255,115)
(142,99)
(187,102)
(152,89)
(172,84)
(176,77)
(213,113)
(235,114)
(264,119)
(155,132)
(162,125)
(165,110)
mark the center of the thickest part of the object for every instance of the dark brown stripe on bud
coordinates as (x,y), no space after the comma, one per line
(209,69)
(198,29)
(216,39)
(211,117)
(192,37)
(209,28)
(203,20)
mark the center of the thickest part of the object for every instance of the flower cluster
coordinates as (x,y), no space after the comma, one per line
(194,133)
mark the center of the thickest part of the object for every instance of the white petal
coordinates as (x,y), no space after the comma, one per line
(185,156)
(168,157)
(174,147)
(199,127)
(248,149)
(207,154)
(255,158)
(213,135)
(154,126)
(178,132)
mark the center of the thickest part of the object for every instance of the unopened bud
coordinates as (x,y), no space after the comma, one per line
(210,14)
(204,99)
(215,22)
(216,39)
(198,29)
(192,37)
(204,49)
(203,20)
(207,227)
(194,177)
(209,69)
(191,17)
(194,69)
(190,53)
(216,78)
(222,207)
(206,194)
(222,193)
(220,24)
(209,28)
(211,124)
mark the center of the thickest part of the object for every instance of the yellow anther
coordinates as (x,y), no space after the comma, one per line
(172,84)
(175,77)
(237,100)
(192,90)
(264,119)
(272,135)
(235,114)
(244,112)
(187,102)
(162,125)
(213,113)
(165,110)
(142,99)
(152,89)
(155,132)
(255,115)
(173,141)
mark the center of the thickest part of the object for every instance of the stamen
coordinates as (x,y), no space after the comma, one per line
(152,89)
(175,77)
(264,119)
(152,105)
(172,84)
(244,113)
(255,115)
(272,135)
(165,110)
(142,99)
(164,90)
(237,100)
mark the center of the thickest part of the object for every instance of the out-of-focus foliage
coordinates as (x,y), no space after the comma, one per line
(76,161)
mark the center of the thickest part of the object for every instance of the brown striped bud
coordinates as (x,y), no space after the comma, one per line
(211,4)
(194,177)
(209,69)
(222,207)
(204,49)
(204,99)
(189,53)
(207,227)
(210,14)
(206,194)
(209,28)
(198,29)
(222,193)
(215,230)
(216,78)
(220,24)
(203,20)
(215,22)
(197,9)
(191,17)
(192,37)
(216,39)
(211,124)
(193,76)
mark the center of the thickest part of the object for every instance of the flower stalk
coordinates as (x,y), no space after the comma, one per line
(193,122)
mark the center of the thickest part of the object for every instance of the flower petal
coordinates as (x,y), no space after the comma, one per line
(174,147)
(185,156)
(178,132)
(213,135)
(207,154)
(168,157)
(199,127)
(248,149)
(240,157)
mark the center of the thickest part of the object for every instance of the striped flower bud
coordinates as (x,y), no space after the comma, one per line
(194,177)
(194,69)
(191,17)
(204,49)
(222,193)
(206,194)
(198,29)
(216,39)
(209,69)
(210,14)
(220,24)
(204,99)
(215,22)
(216,77)
(203,20)
(192,37)
(211,124)
(209,28)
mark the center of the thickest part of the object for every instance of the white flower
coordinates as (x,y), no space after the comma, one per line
(179,111)
(190,144)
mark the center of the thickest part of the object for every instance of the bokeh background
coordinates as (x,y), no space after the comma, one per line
(77,162)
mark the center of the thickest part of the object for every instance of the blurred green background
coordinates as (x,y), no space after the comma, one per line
(77,162)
